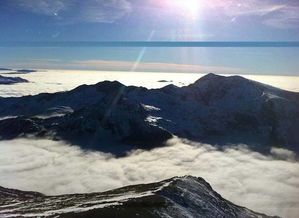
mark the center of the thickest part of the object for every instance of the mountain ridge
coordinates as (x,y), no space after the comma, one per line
(185,196)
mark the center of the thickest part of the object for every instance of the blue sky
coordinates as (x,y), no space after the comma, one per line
(152,20)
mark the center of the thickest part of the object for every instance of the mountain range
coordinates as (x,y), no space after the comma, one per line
(215,109)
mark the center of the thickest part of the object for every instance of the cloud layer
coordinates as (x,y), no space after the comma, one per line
(98,64)
(62,80)
(246,178)
(150,66)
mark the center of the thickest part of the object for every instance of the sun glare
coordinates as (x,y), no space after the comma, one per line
(189,7)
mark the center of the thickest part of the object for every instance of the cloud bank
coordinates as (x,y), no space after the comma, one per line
(250,179)
(98,64)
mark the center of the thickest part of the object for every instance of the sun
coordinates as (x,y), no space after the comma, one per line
(189,7)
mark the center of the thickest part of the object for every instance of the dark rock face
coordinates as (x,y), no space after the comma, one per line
(10,194)
(215,109)
(177,197)
(14,127)
(125,119)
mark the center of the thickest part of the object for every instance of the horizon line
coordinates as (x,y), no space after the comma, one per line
(221,44)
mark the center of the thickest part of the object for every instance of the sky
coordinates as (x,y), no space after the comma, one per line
(151,20)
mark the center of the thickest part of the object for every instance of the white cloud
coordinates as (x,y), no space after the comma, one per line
(105,10)
(283,154)
(260,8)
(283,14)
(277,14)
(70,11)
(47,7)
(246,178)
(287,17)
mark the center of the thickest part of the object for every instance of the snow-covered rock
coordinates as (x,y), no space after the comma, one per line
(177,197)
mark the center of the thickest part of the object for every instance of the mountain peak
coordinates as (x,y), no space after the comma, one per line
(207,77)
(211,77)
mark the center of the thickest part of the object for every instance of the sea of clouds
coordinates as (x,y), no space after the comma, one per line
(268,184)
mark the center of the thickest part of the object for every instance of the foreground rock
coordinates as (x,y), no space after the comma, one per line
(215,109)
(177,197)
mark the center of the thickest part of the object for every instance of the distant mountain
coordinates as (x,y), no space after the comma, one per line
(22,71)
(215,109)
(164,81)
(11,80)
(176,197)
(25,71)
(5,69)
